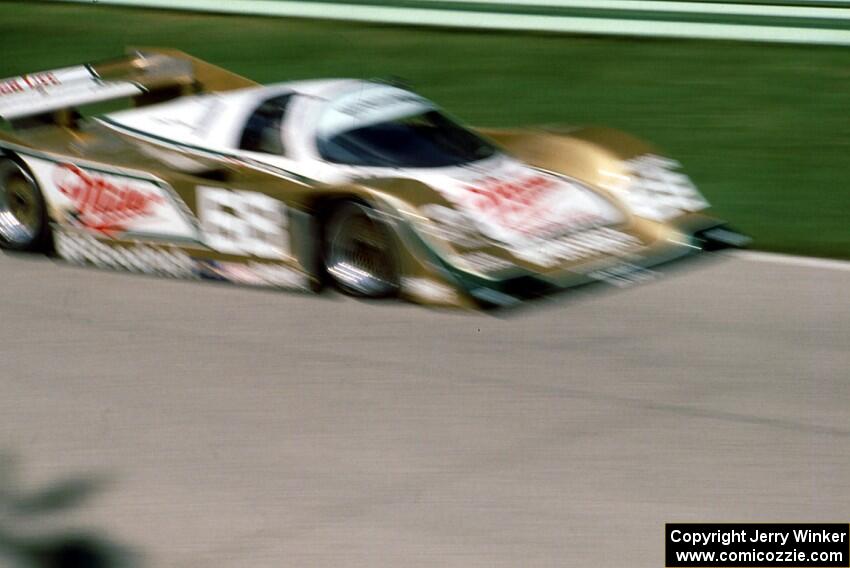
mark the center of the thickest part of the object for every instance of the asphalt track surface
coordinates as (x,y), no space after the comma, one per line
(239,427)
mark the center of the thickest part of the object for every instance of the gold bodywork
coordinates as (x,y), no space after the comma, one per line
(431,265)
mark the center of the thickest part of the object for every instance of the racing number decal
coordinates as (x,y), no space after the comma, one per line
(243,222)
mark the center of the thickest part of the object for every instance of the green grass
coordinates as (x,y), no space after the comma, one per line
(764,130)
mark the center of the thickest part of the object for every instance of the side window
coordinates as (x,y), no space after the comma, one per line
(263,130)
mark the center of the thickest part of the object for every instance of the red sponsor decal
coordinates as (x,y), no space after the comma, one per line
(513,203)
(10,87)
(40,80)
(523,205)
(28,82)
(100,204)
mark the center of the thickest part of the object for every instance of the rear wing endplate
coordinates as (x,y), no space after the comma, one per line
(50,91)
(146,75)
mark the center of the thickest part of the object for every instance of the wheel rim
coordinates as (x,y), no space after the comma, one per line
(359,253)
(20,206)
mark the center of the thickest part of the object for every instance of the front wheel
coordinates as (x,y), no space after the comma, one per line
(23,215)
(358,253)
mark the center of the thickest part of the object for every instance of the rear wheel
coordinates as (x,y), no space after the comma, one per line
(358,253)
(23,215)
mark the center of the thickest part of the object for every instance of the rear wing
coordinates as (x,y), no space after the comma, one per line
(146,76)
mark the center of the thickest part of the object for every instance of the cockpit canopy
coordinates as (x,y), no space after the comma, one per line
(384,126)
(371,124)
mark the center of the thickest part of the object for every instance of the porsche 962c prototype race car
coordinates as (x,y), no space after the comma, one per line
(363,185)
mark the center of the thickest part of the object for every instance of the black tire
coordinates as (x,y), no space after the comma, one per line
(358,252)
(23,214)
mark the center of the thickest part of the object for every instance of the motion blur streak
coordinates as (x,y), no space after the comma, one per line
(255,429)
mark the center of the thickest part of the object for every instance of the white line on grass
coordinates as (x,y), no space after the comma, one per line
(804,261)
(762,10)
(503,21)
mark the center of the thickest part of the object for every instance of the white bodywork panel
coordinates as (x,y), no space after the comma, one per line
(508,201)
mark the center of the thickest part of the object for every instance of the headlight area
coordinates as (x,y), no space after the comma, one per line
(654,188)
(440,274)
(453,237)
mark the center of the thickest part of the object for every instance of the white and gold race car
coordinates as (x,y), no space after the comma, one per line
(363,185)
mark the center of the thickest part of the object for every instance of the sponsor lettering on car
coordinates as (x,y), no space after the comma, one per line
(28,82)
(654,188)
(529,205)
(274,275)
(83,248)
(101,204)
(578,247)
(485,263)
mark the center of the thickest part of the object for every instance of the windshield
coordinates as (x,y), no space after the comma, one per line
(385,126)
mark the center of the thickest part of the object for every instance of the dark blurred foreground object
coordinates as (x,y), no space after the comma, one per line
(26,543)
(66,552)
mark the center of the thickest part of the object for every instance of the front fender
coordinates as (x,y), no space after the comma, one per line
(426,271)
(626,169)
(588,154)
